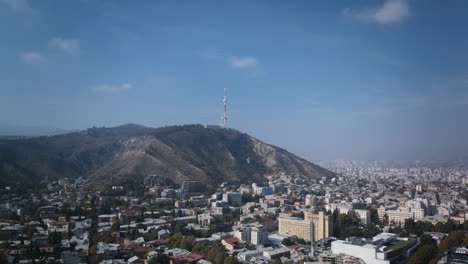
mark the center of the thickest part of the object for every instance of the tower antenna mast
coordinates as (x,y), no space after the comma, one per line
(224,116)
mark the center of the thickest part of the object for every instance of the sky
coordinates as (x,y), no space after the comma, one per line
(363,79)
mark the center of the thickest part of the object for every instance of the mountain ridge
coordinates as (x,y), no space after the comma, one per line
(190,152)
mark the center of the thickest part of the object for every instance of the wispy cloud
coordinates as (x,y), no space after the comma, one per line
(20,6)
(70,46)
(392,11)
(112,88)
(245,62)
(31,57)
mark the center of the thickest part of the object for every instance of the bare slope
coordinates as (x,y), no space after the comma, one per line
(190,152)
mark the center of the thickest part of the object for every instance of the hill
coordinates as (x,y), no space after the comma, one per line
(191,152)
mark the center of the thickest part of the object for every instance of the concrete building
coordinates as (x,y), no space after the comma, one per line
(247,255)
(233,198)
(258,237)
(322,224)
(205,219)
(311,200)
(399,215)
(277,253)
(243,234)
(385,248)
(364,215)
(457,255)
(294,226)
(381,212)
(262,190)
(314,226)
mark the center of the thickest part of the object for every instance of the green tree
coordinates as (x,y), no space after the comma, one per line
(231,260)
(427,240)
(200,248)
(423,255)
(287,242)
(160,259)
(187,243)
(214,228)
(180,228)
(219,258)
(211,254)
(92,250)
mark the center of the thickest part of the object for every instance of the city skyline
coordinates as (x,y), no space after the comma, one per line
(353,80)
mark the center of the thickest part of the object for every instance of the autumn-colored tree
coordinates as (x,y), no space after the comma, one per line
(455,238)
(424,254)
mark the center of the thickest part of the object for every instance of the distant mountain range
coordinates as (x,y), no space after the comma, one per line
(190,152)
(456,164)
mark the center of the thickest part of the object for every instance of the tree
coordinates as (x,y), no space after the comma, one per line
(231,260)
(287,242)
(115,225)
(448,226)
(180,228)
(427,240)
(211,254)
(214,228)
(92,250)
(219,258)
(423,255)
(187,243)
(200,248)
(455,238)
(160,259)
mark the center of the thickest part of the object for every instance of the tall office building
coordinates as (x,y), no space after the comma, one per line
(313,227)
(258,237)
(294,226)
(323,225)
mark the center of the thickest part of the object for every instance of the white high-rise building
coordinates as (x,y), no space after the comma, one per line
(364,215)
(258,237)
(311,200)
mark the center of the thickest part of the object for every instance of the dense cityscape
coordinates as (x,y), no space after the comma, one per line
(362,215)
(233,132)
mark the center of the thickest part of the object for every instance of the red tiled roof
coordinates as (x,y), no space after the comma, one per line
(231,240)
(187,258)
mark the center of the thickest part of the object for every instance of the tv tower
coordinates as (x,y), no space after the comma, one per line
(224,116)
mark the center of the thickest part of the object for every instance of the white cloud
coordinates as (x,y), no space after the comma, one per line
(31,57)
(21,6)
(70,46)
(111,88)
(245,62)
(392,11)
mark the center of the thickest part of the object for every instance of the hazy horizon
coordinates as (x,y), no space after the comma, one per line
(364,80)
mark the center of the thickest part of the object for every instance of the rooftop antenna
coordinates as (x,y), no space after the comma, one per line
(224,116)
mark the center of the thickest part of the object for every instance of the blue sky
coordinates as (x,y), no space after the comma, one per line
(323,79)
